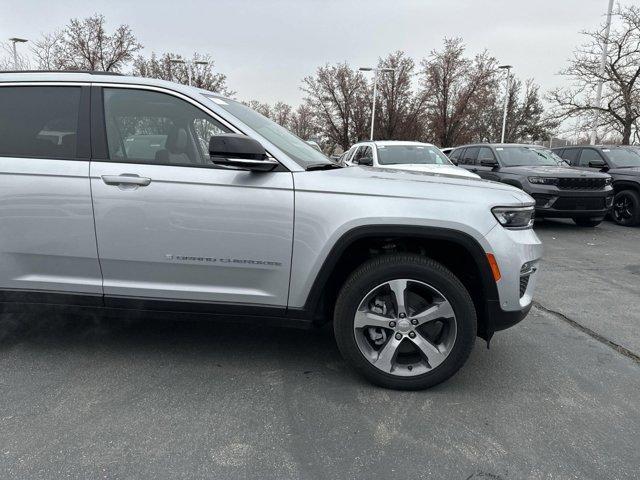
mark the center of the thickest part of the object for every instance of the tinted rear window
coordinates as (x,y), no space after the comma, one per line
(39,122)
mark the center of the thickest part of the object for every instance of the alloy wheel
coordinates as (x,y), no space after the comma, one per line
(405,327)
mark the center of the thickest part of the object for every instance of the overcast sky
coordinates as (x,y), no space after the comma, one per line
(267,46)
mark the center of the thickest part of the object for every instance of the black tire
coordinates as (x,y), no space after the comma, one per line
(628,215)
(416,267)
(587,222)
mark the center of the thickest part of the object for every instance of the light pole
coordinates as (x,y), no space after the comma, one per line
(506,99)
(603,60)
(189,64)
(15,40)
(375,89)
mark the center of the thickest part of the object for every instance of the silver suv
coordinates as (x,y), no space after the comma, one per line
(122,193)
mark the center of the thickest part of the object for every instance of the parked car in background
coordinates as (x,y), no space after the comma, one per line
(559,192)
(622,162)
(401,155)
(447,151)
(220,212)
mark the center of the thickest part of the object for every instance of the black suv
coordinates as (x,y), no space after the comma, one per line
(622,162)
(559,192)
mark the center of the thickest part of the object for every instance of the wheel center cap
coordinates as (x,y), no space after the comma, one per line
(404,325)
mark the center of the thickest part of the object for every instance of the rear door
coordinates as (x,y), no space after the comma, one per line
(47,236)
(171,225)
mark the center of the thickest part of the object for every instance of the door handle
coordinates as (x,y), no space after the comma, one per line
(126,179)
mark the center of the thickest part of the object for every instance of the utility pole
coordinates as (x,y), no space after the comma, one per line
(506,99)
(603,61)
(15,40)
(375,90)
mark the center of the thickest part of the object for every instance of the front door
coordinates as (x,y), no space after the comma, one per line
(170,225)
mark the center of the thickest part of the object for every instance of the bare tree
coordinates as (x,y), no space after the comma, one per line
(399,109)
(84,44)
(526,119)
(339,98)
(281,114)
(303,122)
(202,75)
(620,107)
(260,107)
(456,88)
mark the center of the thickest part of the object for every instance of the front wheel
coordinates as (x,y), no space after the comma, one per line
(588,222)
(404,322)
(626,208)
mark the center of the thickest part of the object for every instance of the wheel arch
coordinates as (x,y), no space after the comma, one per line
(621,185)
(456,250)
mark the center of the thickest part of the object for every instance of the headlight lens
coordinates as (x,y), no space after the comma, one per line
(608,181)
(543,180)
(514,218)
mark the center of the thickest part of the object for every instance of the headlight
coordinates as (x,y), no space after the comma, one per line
(514,218)
(608,181)
(543,180)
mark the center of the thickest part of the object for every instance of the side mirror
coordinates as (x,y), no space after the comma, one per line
(366,161)
(239,151)
(489,163)
(454,161)
(597,164)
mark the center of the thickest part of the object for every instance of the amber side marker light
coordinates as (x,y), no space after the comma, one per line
(494,267)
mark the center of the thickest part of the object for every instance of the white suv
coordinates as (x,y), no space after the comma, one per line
(401,155)
(161,198)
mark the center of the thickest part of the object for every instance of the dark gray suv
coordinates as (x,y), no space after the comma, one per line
(559,192)
(622,162)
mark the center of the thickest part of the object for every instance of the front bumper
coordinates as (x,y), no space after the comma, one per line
(552,202)
(517,253)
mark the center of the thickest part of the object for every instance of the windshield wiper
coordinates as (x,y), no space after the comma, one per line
(322,166)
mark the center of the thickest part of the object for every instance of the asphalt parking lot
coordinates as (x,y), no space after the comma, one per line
(558,396)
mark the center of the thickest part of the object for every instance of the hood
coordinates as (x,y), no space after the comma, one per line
(439,169)
(399,183)
(630,171)
(552,171)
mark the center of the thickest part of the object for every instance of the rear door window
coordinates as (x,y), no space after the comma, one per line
(39,122)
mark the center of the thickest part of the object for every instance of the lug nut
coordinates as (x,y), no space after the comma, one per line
(414,322)
(398,336)
(392,324)
(402,315)
(412,334)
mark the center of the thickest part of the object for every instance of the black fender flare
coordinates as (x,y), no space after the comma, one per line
(462,239)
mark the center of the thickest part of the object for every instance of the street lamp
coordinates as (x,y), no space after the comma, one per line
(15,40)
(375,89)
(189,64)
(603,60)
(506,99)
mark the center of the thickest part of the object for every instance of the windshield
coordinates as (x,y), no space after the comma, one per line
(296,148)
(623,157)
(523,156)
(551,155)
(410,155)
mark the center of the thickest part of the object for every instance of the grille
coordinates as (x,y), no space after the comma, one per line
(524,282)
(581,183)
(579,203)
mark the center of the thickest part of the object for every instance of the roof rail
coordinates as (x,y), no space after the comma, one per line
(90,72)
